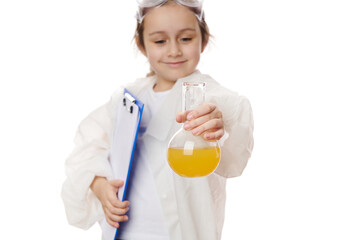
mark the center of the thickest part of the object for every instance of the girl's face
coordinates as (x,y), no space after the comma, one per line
(173,43)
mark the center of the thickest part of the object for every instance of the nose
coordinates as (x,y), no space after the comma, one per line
(174,49)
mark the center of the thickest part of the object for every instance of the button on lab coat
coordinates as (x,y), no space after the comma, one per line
(193,207)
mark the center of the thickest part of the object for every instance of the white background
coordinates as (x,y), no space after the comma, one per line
(299,62)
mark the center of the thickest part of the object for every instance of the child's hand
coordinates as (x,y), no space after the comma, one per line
(114,209)
(206,120)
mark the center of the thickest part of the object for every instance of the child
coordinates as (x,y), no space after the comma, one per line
(162,205)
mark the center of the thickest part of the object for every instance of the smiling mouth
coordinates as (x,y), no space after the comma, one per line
(175,64)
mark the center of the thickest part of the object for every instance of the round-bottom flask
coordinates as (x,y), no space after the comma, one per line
(189,155)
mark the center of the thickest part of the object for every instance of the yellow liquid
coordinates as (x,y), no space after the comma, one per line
(197,163)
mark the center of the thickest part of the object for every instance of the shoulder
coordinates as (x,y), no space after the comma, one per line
(231,103)
(135,87)
(216,92)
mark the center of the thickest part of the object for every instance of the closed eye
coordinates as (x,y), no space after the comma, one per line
(159,42)
(186,39)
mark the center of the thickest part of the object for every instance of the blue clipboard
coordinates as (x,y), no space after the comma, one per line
(126,129)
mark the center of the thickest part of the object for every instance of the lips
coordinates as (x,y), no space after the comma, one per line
(175,64)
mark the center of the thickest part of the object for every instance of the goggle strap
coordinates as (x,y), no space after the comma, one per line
(141,15)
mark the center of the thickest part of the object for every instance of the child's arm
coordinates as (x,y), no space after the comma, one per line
(206,120)
(88,160)
(106,192)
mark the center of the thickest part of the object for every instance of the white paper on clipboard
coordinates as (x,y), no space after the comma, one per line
(121,155)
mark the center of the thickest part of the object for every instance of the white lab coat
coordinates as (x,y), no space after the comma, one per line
(193,207)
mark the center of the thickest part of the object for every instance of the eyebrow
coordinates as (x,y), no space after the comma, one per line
(162,32)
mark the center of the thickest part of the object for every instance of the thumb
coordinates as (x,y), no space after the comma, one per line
(116,183)
(182,116)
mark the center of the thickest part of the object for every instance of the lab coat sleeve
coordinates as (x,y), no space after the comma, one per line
(88,159)
(238,145)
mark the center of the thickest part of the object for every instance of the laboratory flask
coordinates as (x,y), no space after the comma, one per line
(189,155)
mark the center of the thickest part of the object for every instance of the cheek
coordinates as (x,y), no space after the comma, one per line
(194,51)
(153,55)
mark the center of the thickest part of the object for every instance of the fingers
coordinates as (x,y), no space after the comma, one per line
(114,214)
(206,120)
(114,209)
(116,183)
(114,221)
(207,108)
(115,218)
(211,130)
(210,120)
(182,116)
(117,211)
(116,206)
(211,136)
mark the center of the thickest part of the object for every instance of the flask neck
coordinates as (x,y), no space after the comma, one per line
(193,95)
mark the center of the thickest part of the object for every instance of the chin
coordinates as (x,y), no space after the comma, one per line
(181,74)
(174,74)
(173,77)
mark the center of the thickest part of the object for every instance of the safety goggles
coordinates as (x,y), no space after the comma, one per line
(146,4)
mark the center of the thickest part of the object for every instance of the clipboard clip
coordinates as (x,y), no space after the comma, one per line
(131,100)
